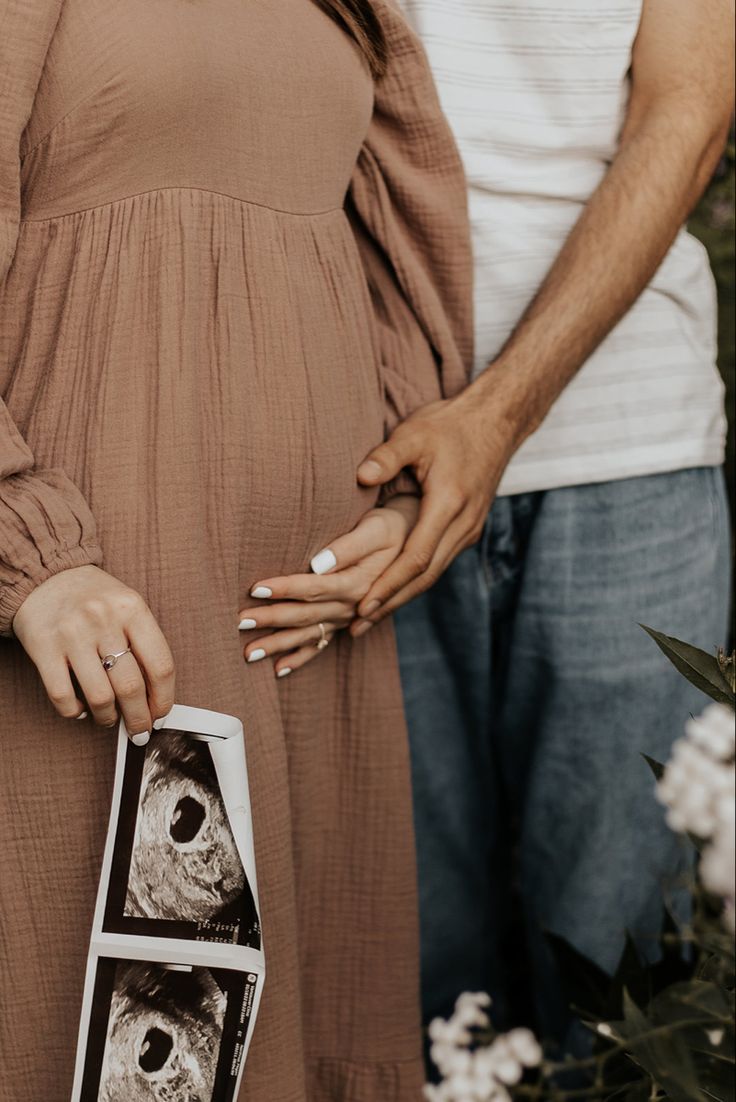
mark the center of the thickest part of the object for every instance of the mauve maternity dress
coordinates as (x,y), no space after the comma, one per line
(227,264)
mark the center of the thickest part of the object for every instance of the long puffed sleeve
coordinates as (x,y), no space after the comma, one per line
(408,207)
(45,525)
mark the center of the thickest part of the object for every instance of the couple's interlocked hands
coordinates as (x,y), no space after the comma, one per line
(395,552)
(305,610)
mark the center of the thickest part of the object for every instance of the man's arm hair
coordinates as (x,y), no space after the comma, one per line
(678,118)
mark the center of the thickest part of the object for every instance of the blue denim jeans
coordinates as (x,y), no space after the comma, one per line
(531,693)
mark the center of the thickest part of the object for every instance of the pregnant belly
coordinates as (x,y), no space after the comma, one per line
(247,456)
(209,406)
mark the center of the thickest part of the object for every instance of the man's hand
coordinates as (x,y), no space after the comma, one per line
(458,460)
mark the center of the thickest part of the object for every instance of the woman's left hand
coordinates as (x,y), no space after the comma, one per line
(306,608)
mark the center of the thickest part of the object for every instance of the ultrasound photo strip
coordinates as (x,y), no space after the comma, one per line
(177,911)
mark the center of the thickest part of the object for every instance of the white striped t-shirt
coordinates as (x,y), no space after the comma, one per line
(536,92)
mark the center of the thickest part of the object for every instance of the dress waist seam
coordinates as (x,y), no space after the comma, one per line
(162,190)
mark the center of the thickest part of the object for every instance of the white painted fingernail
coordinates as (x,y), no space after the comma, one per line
(261,591)
(256,655)
(323,562)
(141,739)
(82,715)
(247,625)
(285,672)
(158,723)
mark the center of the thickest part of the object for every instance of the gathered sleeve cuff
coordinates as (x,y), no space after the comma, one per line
(45,527)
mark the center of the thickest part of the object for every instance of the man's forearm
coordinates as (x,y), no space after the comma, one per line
(664,163)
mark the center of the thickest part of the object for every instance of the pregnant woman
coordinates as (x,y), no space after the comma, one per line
(233,250)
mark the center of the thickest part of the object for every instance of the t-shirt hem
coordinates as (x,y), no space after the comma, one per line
(580,470)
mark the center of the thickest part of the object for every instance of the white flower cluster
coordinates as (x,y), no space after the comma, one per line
(477,1074)
(698,789)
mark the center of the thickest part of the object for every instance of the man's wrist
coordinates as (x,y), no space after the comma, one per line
(504,403)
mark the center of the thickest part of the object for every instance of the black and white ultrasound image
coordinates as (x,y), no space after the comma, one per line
(176,870)
(159,1034)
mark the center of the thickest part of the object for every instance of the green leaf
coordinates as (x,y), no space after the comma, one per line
(656,767)
(665,1056)
(699,667)
(694,1001)
(635,1020)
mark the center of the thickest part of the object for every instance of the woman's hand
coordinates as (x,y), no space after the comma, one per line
(342,575)
(67,626)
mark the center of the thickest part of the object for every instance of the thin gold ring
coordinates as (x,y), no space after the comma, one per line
(323,640)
